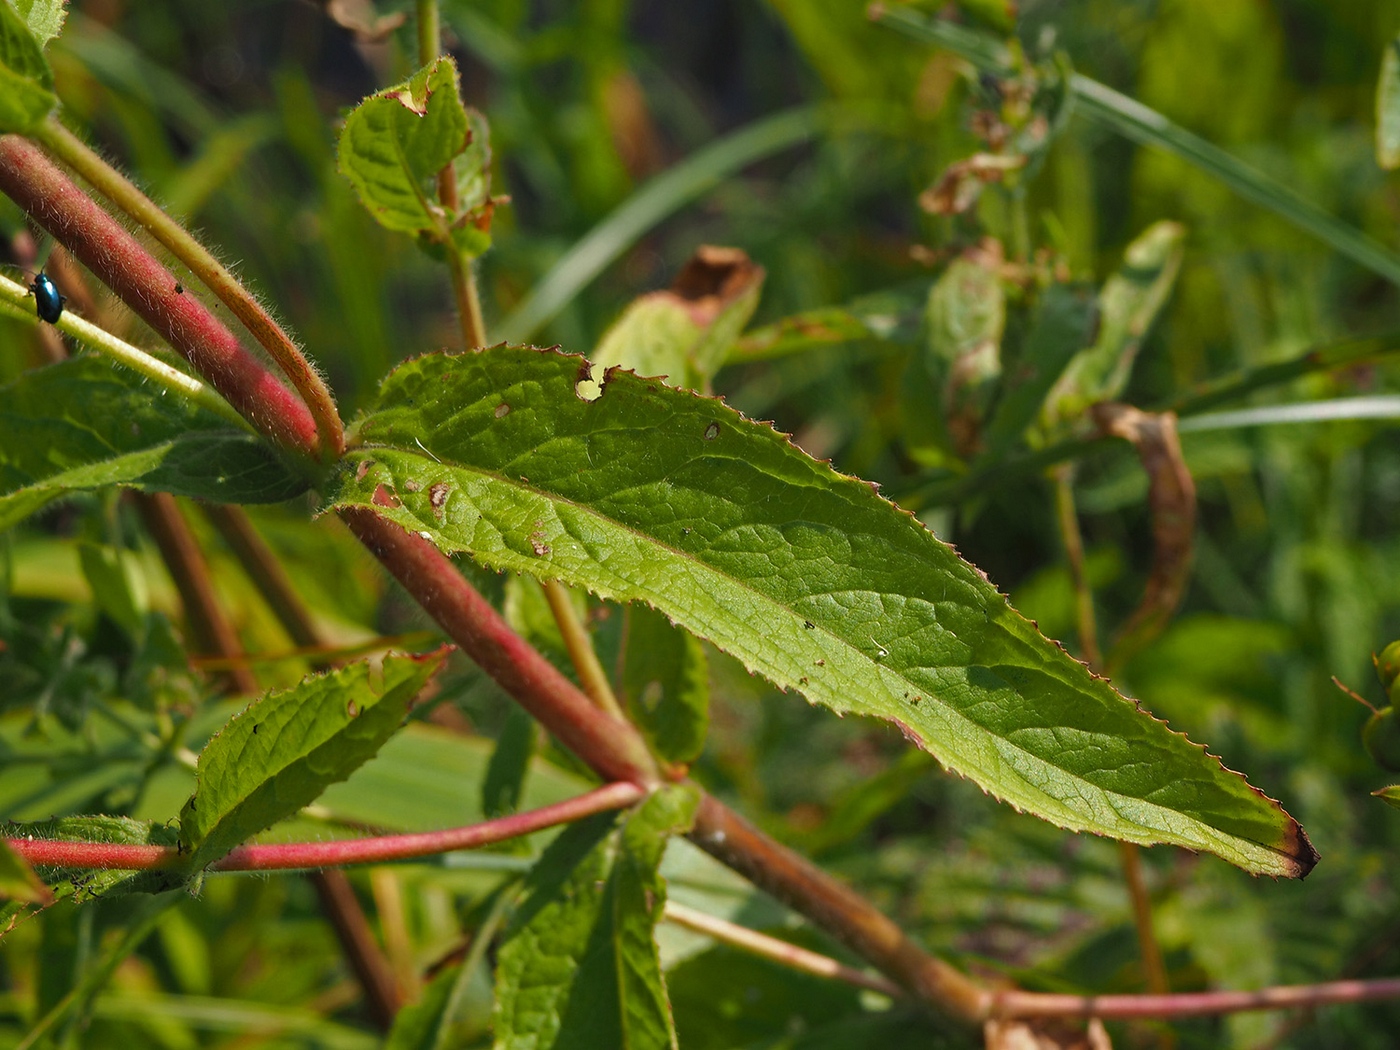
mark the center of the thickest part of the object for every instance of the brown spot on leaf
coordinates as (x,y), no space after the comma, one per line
(437,496)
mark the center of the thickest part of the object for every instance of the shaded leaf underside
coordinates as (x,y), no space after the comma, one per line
(809,577)
(83,424)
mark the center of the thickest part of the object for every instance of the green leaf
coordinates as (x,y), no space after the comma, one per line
(1062,325)
(966,315)
(666,685)
(18,882)
(1388,108)
(504,784)
(1389,795)
(396,141)
(84,424)
(687,331)
(420,1025)
(579,966)
(110,574)
(26,81)
(44,17)
(1130,301)
(807,576)
(892,315)
(280,753)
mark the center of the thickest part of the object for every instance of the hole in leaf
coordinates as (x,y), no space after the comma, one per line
(712,432)
(502,410)
(586,387)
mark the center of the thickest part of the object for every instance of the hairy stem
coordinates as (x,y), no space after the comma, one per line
(213,274)
(580,647)
(784,953)
(42,189)
(281,856)
(836,908)
(613,747)
(1073,542)
(1194,1004)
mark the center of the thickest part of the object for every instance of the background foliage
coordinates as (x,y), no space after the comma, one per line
(228,114)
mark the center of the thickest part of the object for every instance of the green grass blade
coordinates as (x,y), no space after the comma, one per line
(661,197)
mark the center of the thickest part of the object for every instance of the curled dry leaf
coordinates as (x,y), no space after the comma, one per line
(360,17)
(958,188)
(1171,495)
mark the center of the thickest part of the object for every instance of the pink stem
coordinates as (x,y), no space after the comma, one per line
(283,855)
(42,189)
(1193,1004)
(611,746)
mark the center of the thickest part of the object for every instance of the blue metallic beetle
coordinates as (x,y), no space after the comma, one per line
(48,304)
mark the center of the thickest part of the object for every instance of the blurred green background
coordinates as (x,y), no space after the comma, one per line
(226,113)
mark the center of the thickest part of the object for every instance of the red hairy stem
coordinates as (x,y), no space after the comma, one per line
(611,746)
(260,324)
(43,190)
(836,908)
(286,855)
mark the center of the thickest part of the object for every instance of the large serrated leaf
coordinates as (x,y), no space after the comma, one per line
(83,424)
(579,967)
(809,577)
(26,82)
(284,750)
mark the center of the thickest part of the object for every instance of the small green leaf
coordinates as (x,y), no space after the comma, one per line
(666,684)
(810,578)
(579,967)
(1389,795)
(420,1025)
(1388,108)
(504,784)
(44,17)
(84,424)
(281,752)
(686,332)
(395,142)
(966,315)
(26,82)
(892,315)
(1130,301)
(18,881)
(1063,325)
(109,573)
